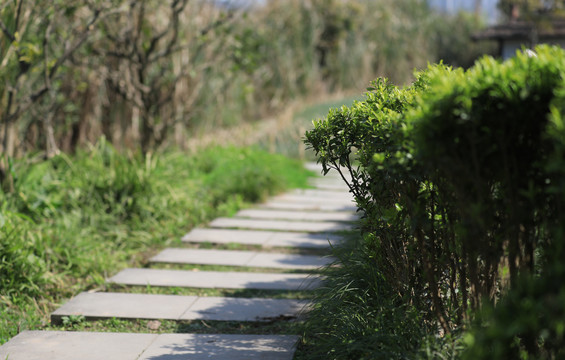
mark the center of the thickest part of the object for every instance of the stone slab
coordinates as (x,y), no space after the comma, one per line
(298,215)
(303,240)
(289,261)
(251,258)
(215,279)
(239,309)
(313,166)
(260,224)
(336,200)
(204,257)
(323,194)
(329,184)
(263,238)
(221,347)
(176,307)
(228,236)
(127,306)
(307,206)
(67,345)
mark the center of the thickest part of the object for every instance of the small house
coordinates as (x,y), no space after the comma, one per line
(514,35)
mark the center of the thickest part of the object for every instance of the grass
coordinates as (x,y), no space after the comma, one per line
(288,138)
(180,327)
(357,316)
(73,221)
(196,267)
(236,293)
(251,247)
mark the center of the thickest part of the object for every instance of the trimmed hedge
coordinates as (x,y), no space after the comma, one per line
(461,178)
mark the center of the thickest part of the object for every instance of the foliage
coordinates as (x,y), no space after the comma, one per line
(75,220)
(452,37)
(528,322)
(357,315)
(460,179)
(153,73)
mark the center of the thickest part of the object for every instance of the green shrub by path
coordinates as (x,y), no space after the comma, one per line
(73,221)
(461,176)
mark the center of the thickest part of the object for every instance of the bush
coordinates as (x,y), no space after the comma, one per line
(460,177)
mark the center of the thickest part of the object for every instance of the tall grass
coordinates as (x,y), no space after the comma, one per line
(73,221)
(359,316)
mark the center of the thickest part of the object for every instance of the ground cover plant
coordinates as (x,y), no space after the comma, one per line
(72,221)
(460,178)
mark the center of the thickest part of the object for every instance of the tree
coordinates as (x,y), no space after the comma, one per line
(38,38)
(152,52)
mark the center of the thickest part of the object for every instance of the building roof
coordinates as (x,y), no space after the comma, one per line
(520,30)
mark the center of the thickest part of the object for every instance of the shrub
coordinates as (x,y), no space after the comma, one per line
(460,178)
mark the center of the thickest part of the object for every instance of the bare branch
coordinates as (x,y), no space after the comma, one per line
(7,32)
(19,13)
(69,51)
(46,55)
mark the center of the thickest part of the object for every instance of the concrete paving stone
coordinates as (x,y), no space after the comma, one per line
(313,166)
(328,184)
(237,280)
(333,174)
(263,238)
(215,279)
(67,345)
(303,240)
(231,257)
(122,305)
(305,226)
(239,309)
(161,277)
(330,187)
(204,257)
(289,197)
(176,307)
(221,347)
(323,194)
(289,261)
(307,206)
(298,215)
(227,236)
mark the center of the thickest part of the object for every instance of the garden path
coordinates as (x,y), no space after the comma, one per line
(301,219)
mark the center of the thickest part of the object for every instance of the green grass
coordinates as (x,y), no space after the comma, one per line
(236,293)
(73,221)
(289,141)
(357,316)
(196,267)
(251,247)
(180,327)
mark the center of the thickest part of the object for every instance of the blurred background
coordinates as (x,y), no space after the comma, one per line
(155,74)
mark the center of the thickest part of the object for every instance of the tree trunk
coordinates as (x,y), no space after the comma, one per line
(51,148)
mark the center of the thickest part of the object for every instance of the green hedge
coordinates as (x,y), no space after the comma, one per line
(460,176)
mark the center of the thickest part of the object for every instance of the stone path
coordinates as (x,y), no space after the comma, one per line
(65,345)
(301,219)
(240,258)
(215,279)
